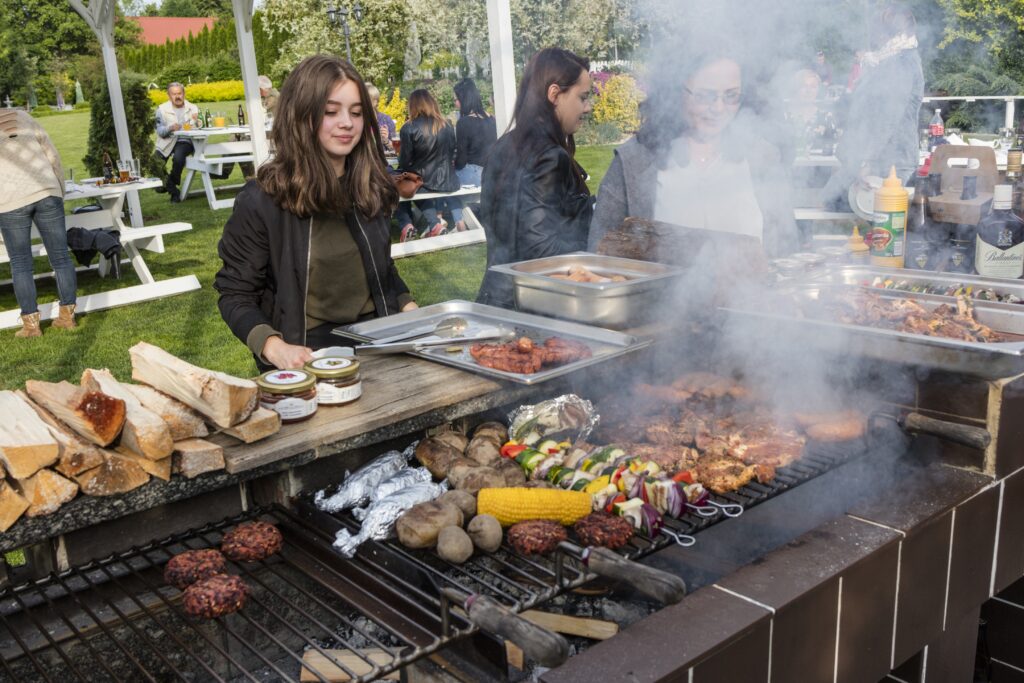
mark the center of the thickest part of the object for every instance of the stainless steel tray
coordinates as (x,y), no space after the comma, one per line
(863,276)
(609,304)
(987,360)
(604,344)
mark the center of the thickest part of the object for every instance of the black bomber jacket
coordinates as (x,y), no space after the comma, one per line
(265,255)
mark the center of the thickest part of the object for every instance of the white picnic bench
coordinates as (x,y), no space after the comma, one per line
(133,240)
(473,235)
(209,158)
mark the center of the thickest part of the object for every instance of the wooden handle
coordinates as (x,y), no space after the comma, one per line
(974,437)
(654,583)
(541,645)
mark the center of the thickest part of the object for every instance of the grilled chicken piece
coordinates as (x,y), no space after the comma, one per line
(558,351)
(662,394)
(722,473)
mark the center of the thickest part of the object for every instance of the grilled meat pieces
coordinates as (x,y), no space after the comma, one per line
(604,530)
(251,542)
(215,596)
(526,357)
(186,568)
(723,473)
(907,315)
(536,536)
(671,458)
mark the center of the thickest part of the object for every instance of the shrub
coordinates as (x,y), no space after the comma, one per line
(397,108)
(599,134)
(222,67)
(619,103)
(219,91)
(139,113)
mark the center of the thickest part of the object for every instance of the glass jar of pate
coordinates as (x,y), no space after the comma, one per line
(289,393)
(337,380)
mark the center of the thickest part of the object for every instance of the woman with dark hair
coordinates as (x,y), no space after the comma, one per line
(696,160)
(428,148)
(534,200)
(882,122)
(307,247)
(475,133)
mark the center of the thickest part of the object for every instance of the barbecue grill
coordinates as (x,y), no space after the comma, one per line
(116,619)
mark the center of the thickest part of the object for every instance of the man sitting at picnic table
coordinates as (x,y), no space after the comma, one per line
(172,116)
(269,95)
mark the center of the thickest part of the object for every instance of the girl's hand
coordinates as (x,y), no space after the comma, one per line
(285,356)
(411,306)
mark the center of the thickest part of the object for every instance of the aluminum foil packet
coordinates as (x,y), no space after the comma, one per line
(410,476)
(381,516)
(566,417)
(359,486)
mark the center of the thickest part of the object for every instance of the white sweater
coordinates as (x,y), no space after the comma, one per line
(30,167)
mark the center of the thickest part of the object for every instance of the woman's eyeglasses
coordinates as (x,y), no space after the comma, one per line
(730,98)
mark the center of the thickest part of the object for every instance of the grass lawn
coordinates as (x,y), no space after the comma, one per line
(189,325)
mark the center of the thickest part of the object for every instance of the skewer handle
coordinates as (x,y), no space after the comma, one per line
(973,437)
(545,647)
(654,583)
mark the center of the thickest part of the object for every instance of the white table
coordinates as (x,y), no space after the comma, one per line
(464,191)
(111,199)
(210,158)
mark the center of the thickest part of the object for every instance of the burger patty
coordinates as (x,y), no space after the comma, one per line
(186,568)
(604,530)
(536,536)
(251,541)
(215,596)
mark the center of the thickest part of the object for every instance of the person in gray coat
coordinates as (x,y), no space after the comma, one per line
(882,122)
(697,161)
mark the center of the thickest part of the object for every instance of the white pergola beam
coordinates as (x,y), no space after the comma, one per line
(250,78)
(503,67)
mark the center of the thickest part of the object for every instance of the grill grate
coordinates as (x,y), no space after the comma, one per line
(114,619)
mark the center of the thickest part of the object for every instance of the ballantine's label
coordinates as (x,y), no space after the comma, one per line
(992,261)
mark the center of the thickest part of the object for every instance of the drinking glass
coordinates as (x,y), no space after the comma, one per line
(124,171)
(69,178)
(133,167)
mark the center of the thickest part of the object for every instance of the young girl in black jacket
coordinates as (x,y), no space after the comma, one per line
(307,247)
(534,199)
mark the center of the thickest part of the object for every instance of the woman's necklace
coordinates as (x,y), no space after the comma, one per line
(704,153)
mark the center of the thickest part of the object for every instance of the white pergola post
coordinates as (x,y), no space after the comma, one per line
(503,67)
(250,78)
(99,15)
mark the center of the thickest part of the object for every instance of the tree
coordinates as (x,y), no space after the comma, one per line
(179,8)
(139,114)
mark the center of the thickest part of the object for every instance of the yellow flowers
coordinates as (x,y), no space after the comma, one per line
(396,108)
(619,103)
(216,91)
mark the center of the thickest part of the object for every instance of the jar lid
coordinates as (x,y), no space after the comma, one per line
(333,367)
(286,381)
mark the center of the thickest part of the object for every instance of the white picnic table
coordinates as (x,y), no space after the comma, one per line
(210,157)
(133,240)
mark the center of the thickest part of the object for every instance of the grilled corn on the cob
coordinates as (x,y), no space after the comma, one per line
(511,505)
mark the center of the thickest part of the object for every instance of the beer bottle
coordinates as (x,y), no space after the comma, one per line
(999,247)
(241,115)
(923,239)
(961,256)
(209,119)
(108,168)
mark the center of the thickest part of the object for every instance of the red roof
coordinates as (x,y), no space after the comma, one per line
(156,30)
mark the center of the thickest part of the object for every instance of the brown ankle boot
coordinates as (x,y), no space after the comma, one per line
(29,326)
(65,318)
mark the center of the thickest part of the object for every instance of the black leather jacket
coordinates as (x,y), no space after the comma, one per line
(531,205)
(265,251)
(430,155)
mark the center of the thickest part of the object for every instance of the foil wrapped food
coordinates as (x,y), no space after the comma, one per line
(566,417)
(381,516)
(410,476)
(359,486)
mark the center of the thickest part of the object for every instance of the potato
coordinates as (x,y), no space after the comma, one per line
(462,500)
(513,473)
(484,450)
(476,478)
(485,532)
(436,456)
(454,544)
(420,525)
(460,468)
(456,440)
(495,430)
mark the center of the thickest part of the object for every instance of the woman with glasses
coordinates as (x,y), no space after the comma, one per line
(534,200)
(697,160)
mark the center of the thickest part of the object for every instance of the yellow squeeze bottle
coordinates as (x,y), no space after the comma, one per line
(889,227)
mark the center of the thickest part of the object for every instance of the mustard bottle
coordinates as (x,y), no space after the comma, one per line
(859,251)
(889,227)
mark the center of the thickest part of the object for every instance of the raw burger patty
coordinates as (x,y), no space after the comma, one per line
(186,568)
(604,530)
(215,596)
(251,541)
(536,536)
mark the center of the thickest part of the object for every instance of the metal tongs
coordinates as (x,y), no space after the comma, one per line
(483,333)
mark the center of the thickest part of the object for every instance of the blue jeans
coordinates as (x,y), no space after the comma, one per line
(469,174)
(428,207)
(16,228)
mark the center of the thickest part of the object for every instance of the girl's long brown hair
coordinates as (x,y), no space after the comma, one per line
(300,177)
(422,103)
